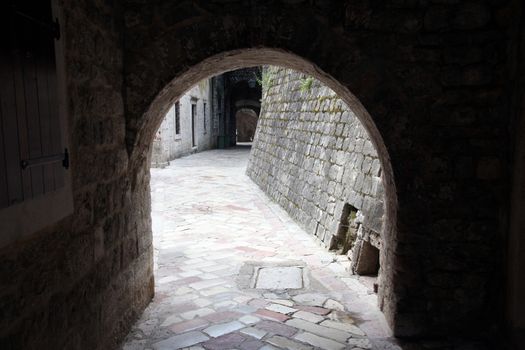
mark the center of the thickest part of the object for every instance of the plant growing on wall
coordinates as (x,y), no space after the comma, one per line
(306,84)
(265,79)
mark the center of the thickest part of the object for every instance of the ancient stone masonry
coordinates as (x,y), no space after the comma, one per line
(430,80)
(313,157)
(79,283)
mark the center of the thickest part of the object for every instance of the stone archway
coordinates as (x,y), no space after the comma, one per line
(437,78)
(246,121)
(445,174)
(251,57)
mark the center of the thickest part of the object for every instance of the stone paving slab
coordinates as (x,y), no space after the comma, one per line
(320,342)
(180,341)
(223,328)
(186,326)
(308,316)
(210,221)
(287,277)
(281,309)
(286,343)
(224,342)
(277,328)
(271,315)
(331,333)
(249,319)
(254,332)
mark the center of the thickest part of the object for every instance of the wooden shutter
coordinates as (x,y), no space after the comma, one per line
(32,156)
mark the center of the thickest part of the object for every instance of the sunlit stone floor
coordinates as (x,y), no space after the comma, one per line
(218,241)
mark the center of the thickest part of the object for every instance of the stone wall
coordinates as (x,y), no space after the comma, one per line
(169,145)
(312,155)
(429,80)
(516,242)
(81,282)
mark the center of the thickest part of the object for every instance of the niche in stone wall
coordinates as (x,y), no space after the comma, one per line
(347,231)
(365,258)
(359,243)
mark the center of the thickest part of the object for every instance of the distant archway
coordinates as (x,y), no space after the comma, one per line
(246,122)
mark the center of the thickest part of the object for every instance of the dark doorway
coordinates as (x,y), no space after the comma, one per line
(246,123)
(193,116)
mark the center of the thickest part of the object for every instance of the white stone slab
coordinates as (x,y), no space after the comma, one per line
(254,332)
(308,316)
(287,277)
(284,302)
(335,334)
(280,309)
(249,319)
(223,328)
(312,299)
(320,342)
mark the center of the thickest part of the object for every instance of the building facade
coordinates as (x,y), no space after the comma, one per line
(216,113)
(187,127)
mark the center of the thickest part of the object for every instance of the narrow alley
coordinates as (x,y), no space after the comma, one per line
(233,271)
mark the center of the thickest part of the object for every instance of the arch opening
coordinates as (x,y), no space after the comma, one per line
(246,123)
(237,59)
(250,58)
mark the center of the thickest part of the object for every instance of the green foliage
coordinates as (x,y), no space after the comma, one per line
(306,84)
(265,79)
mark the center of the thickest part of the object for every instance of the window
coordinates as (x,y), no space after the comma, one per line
(204,118)
(177,118)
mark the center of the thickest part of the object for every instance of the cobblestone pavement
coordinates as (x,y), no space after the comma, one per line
(234,272)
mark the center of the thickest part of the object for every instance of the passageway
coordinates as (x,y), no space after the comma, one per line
(438,88)
(232,270)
